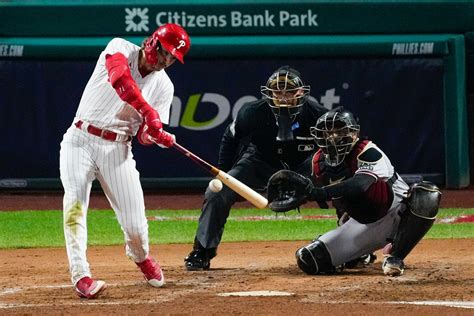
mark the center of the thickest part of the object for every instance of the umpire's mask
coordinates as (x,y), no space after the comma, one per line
(335,133)
(286,93)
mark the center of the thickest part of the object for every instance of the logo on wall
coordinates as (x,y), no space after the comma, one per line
(136,19)
(183,111)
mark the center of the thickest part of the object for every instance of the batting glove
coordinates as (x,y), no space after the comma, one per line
(163,139)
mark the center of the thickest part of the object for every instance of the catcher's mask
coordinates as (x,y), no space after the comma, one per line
(335,133)
(171,37)
(285,93)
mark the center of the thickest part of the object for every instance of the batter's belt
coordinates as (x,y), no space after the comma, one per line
(102,133)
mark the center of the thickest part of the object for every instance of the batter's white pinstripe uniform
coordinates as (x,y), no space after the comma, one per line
(85,157)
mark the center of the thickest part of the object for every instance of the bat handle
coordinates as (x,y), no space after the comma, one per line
(200,162)
(180,148)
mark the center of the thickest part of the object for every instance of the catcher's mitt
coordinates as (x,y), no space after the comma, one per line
(287,190)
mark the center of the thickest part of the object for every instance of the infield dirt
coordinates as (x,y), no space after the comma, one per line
(36,281)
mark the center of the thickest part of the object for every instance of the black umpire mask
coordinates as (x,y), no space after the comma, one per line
(285,93)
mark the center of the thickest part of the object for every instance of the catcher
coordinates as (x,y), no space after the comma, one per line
(376,206)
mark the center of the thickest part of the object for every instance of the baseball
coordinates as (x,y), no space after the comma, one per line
(215,185)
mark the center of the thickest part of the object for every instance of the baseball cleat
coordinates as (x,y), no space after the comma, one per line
(152,272)
(88,288)
(199,259)
(361,262)
(195,262)
(393,266)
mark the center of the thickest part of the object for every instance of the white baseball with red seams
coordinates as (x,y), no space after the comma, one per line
(85,157)
(215,185)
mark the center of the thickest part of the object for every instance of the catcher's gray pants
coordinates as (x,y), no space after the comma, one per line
(216,207)
(353,239)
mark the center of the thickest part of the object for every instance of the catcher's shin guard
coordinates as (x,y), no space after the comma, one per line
(314,259)
(422,207)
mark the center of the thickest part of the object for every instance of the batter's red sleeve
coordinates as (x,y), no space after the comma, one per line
(121,79)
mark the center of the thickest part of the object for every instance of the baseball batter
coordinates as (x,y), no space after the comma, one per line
(128,94)
(363,186)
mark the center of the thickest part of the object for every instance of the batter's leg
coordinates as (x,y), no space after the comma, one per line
(120,181)
(77,173)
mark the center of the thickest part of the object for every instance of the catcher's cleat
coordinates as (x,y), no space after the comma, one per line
(393,266)
(361,262)
(152,272)
(88,288)
(199,259)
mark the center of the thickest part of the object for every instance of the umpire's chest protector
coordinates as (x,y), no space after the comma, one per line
(303,145)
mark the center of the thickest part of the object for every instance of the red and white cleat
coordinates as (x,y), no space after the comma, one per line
(152,272)
(88,288)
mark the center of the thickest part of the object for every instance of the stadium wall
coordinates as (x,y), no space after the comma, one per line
(38,34)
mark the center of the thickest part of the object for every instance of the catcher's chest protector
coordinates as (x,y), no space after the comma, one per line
(366,208)
(324,174)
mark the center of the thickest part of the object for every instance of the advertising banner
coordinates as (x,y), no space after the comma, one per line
(128,18)
(399,102)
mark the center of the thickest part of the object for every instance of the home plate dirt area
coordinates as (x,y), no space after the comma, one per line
(249,278)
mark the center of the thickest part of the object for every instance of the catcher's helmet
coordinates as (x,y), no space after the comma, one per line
(285,92)
(171,37)
(335,133)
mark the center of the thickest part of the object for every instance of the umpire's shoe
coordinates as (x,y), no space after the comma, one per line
(200,258)
(393,266)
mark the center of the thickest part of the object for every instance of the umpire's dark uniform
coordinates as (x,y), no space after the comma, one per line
(254,162)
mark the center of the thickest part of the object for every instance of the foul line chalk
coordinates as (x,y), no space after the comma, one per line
(256,293)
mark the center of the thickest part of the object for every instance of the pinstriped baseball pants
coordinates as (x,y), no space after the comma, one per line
(84,158)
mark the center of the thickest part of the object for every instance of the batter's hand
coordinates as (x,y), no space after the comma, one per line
(151,117)
(163,138)
(143,136)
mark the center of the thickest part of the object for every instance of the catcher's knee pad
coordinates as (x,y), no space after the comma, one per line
(314,258)
(422,207)
(424,199)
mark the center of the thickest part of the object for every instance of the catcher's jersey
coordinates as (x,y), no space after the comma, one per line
(367,159)
(100,104)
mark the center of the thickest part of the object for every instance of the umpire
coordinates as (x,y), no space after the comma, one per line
(268,135)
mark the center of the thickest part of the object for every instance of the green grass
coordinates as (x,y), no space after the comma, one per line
(29,229)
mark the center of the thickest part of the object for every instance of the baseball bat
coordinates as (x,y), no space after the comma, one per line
(240,188)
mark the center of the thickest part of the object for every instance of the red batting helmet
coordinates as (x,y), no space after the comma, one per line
(172,37)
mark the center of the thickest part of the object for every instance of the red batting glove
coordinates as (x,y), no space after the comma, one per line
(162,138)
(143,136)
(151,117)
